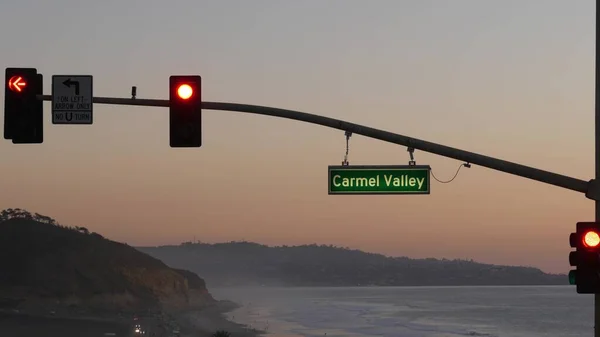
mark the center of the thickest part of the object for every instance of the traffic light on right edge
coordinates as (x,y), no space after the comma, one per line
(585,258)
(23,112)
(185,111)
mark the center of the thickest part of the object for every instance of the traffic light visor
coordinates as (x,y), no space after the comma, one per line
(591,239)
(185,91)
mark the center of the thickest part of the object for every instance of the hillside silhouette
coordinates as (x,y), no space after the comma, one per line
(247,263)
(49,267)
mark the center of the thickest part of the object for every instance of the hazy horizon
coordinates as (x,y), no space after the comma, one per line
(510,79)
(307,244)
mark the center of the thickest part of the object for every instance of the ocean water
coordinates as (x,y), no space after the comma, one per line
(549,311)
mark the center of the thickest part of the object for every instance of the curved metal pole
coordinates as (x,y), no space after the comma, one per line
(555,179)
(442,150)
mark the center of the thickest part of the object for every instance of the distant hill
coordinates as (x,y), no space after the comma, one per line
(247,263)
(46,265)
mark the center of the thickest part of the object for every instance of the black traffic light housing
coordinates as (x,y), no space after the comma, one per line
(585,258)
(185,111)
(23,112)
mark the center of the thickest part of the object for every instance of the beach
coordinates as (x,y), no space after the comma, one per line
(205,323)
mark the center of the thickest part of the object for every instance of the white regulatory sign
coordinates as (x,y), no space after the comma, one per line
(72,99)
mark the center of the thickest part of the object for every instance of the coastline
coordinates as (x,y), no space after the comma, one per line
(210,319)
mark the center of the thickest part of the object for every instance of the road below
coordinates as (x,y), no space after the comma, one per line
(17,325)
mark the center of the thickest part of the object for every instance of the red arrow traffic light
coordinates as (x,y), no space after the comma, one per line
(16,83)
(23,112)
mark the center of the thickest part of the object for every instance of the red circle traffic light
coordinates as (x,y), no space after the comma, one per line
(16,83)
(185,91)
(591,239)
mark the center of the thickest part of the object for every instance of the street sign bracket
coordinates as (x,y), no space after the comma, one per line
(347,134)
(411,153)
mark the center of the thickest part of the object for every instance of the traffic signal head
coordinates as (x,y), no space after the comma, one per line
(23,112)
(586,258)
(185,111)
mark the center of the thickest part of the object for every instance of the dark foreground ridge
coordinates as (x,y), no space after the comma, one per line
(247,263)
(61,279)
(46,264)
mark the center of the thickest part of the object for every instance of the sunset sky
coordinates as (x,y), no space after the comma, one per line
(512,79)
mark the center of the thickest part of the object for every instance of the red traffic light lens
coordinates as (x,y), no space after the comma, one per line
(185,91)
(17,83)
(591,239)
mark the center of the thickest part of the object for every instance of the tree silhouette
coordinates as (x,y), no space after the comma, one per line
(82,229)
(18,213)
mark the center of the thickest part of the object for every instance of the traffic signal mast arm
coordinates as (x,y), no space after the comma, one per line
(591,189)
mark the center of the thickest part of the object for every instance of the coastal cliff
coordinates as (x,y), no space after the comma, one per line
(50,267)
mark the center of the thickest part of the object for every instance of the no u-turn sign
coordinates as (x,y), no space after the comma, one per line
(72,99)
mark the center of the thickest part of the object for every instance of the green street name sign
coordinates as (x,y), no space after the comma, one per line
(388,179)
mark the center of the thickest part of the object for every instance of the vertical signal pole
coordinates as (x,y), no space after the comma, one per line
(597,152)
